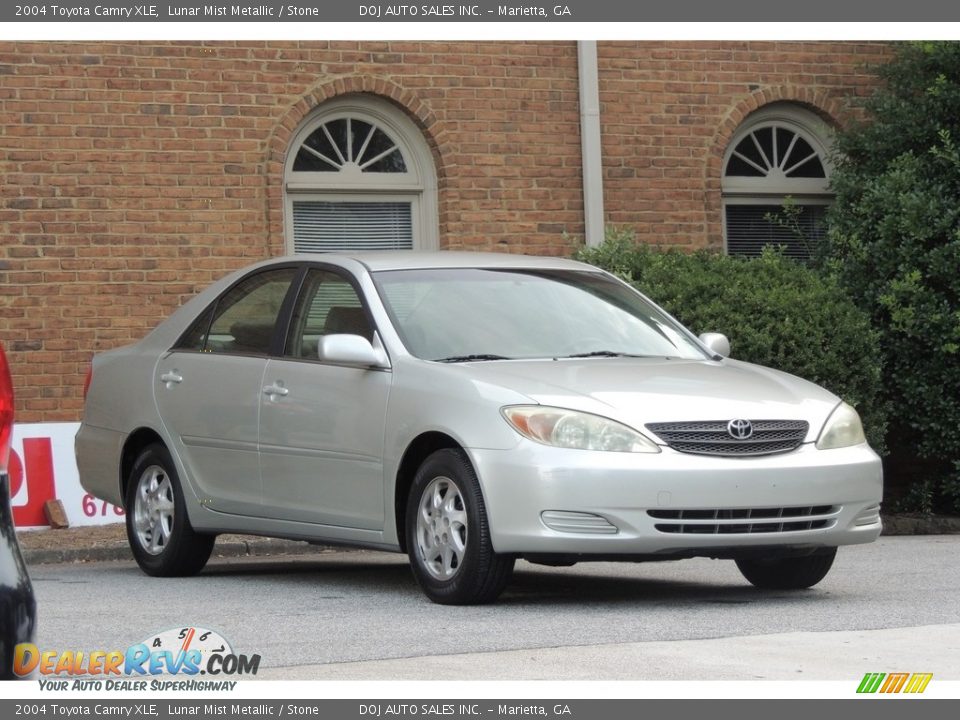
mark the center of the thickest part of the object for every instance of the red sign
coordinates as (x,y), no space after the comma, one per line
(43,467)
(37,469)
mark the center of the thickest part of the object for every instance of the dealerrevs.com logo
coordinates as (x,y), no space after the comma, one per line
(187,651)
(891,683)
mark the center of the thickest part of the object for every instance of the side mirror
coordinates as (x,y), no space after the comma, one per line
(717,343)
(351,350)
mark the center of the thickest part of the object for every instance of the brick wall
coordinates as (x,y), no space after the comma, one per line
(668,111)
(136,173)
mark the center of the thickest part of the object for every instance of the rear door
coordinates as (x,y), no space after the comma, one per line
(208,390)
(321,430)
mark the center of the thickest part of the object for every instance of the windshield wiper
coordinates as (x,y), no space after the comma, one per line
(605,353)
(470,358)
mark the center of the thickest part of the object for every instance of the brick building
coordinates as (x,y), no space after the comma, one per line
(137,172)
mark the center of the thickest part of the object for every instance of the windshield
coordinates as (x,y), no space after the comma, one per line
(485,314)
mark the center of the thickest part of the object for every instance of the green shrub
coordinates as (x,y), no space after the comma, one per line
(776,312)
(893,242)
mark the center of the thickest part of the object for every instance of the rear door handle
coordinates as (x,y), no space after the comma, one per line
(275,390)
(171,378)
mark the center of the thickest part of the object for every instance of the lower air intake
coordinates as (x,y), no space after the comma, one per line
(744,521)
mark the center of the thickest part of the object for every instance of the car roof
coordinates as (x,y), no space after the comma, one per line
(416,260)
(166,332)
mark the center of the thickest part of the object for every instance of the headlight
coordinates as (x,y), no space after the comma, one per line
(576,430)
(842,429)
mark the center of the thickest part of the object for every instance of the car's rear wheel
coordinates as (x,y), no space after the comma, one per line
(448,535)
(158,529)
(788,573)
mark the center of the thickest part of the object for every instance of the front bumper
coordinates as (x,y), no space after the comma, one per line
(545,500)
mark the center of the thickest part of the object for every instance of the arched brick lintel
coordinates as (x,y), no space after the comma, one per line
(285,128)
(829,108)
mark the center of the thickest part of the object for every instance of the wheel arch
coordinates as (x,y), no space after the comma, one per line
(135,444)
(419,449)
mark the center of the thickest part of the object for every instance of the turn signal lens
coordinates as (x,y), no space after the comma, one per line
(842,429)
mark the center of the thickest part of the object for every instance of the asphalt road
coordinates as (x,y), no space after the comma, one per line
(891,605)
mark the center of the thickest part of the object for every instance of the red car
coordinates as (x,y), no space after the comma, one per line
(18,608)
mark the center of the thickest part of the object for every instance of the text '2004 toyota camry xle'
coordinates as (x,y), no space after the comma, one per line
(468,409)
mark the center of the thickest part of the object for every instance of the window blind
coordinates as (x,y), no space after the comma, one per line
(322,226)
(748,230)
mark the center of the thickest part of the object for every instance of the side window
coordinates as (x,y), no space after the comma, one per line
(328,305)
(196,336)
(243,320)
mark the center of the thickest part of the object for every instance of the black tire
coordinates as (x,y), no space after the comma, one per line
(451,552)
(164,544)
(788,573)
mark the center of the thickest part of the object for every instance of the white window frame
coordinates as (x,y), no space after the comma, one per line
(417,186)
(773,191)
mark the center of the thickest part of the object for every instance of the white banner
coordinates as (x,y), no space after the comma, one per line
(43,467)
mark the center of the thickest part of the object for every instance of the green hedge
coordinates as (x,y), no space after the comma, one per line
(894,245)
(776,312)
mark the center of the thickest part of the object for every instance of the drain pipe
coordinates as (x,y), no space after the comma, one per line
(593,215)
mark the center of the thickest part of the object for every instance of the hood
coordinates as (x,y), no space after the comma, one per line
(637,391)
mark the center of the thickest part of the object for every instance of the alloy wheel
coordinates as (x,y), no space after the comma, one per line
(442,531)
(153,512)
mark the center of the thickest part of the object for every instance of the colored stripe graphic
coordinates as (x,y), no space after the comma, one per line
(895,682)
(918,683)
(870,682)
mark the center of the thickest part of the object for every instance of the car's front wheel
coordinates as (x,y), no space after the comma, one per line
(448,535)
(161,538)
(788,573)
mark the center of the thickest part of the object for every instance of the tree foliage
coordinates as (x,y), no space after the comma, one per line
(893,242)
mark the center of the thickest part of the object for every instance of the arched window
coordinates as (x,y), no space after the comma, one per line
(778,155)
(359,176)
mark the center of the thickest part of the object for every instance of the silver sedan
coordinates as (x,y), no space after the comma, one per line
(468,409)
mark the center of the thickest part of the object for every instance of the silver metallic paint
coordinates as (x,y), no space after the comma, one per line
(339,483)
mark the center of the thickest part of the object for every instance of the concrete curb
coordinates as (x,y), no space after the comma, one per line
(238,546)
(231,547)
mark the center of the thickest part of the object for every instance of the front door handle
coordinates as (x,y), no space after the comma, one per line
(277,389)
(171,378)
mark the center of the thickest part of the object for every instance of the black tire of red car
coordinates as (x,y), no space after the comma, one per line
(18,606)
(180,551)
(446,497)
(788,573)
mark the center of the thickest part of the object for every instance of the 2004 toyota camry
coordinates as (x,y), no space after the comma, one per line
(468,409)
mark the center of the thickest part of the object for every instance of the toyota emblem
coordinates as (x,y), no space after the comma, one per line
(740,429)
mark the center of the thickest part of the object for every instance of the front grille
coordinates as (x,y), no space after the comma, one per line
(731,521)
(710,437)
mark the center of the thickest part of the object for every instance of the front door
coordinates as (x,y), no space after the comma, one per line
(321,425)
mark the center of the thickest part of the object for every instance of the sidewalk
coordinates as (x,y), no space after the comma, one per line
(109,542)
